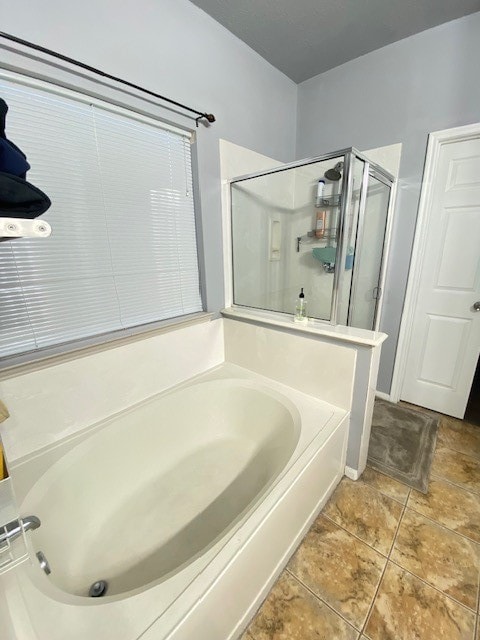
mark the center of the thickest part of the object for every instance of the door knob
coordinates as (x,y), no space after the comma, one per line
(476,306)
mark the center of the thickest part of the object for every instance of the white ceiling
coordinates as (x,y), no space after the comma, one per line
(305,37)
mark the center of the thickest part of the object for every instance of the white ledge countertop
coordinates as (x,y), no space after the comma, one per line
(315,327)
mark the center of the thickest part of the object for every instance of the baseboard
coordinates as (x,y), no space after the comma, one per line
(383,396)
(353,474)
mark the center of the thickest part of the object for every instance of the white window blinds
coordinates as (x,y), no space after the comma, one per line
(123,246)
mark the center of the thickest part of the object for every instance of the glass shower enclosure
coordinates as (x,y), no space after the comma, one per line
(319,224)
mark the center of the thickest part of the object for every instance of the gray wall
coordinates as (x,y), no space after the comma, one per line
(396,94)
(173,48)
(400,93)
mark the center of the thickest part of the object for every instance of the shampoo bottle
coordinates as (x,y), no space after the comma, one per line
(320,224)
(320,188)
(321,215)
(301,308)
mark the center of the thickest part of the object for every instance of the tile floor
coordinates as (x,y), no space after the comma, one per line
(385,562)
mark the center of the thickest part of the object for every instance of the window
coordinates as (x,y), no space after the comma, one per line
(123,247)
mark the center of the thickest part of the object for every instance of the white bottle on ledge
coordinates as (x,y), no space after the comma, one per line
(301,309)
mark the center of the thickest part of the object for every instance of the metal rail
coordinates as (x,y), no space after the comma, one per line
(209,117)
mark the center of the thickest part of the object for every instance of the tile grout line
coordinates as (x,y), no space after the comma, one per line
(428,584)
(369,613)
(474,542)
(403,505)
(468,455)
(386,495)
(372,486)
(434,476)
(445,446)
(475,627)
(387,556)
(444,526)
(317,597)
(478,597)
(384,555)
(389,560)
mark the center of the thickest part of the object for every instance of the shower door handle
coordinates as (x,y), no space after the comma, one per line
(377,292)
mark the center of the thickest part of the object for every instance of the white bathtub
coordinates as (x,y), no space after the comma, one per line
(188,505)
(160,484)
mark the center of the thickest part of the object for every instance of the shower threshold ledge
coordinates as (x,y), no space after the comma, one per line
(312,327)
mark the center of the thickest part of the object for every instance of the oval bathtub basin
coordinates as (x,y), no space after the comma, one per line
(159,484)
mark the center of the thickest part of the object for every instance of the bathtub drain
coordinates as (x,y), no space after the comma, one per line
(43,562)
(98,589)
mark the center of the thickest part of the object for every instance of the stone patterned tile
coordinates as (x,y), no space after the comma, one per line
(365,512)
(460,436)
(442,558)
(291,612)
(340,569)
(457,468)
(455,508)
(386,485)
(406,608)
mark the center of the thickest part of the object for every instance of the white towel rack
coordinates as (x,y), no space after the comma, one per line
(24,228)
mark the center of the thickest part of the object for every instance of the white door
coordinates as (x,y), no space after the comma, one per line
(445,334)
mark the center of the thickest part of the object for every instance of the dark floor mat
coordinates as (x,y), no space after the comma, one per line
(402,443)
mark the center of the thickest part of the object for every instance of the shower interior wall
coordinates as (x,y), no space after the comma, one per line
(286,198)
(303,269)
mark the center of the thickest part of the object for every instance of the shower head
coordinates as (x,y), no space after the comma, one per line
(334,174)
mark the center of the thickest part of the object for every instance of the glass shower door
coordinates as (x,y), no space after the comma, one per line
(285,229)
(365,291)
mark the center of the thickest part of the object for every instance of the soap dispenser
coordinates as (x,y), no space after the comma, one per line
(301,308)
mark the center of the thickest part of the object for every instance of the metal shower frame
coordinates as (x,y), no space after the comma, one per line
(369,169)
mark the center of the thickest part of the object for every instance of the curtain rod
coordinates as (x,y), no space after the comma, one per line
(207,116)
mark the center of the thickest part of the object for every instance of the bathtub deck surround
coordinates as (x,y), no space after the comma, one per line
(267,350)
(51,402)
(150,422)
